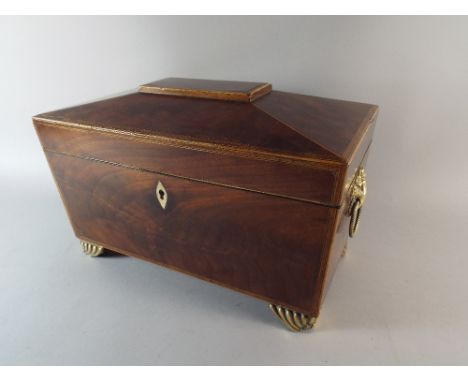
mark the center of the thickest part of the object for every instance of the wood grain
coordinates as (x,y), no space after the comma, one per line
(296,180)
(336,125)
(261,245)
(234,125)
(257,190)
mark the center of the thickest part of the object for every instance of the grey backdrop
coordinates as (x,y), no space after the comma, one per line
(399,297)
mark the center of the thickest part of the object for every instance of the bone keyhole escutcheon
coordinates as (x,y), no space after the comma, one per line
(161,195)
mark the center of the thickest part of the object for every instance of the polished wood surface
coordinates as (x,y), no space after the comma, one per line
(226,124)
(210,89)
(269,247)
(334,124)
(257,190)
(279,123)
(339,241)
(315,182)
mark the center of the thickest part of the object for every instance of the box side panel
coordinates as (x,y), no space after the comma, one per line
(341,225)
(266,246)
(358,159)
(312,181)
(338,247)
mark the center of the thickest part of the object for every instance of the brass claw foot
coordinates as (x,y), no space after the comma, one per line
(295,321)
(91,249)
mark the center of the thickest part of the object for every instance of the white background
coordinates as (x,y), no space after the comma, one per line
(399,297)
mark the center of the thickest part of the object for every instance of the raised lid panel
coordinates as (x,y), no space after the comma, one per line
(210,89)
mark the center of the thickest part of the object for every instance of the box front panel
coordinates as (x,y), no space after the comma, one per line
(267,246)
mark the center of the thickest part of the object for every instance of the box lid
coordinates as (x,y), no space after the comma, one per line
(199,111)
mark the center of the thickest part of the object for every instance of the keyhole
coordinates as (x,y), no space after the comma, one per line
(161,195)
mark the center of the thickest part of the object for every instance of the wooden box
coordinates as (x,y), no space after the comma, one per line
(252,189)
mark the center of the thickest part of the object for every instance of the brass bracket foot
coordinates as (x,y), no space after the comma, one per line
(295,321)
(91,249)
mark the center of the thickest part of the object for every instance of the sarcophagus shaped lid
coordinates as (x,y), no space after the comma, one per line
(230,114)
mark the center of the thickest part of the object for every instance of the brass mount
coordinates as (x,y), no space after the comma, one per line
(357,196)
(92,249)
(293,320)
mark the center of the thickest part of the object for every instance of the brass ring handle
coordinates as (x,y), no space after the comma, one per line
(357,196)
(355,215)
